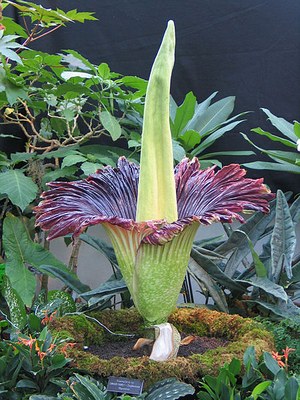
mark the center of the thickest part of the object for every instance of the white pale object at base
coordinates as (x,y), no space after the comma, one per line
(166,344)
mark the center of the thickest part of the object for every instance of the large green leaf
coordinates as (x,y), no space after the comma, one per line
(111,124)
(20,189)
(22,252)
(238,242)
(100,245)
(215,272)
(213,116)
(274,138)
(268,286)
(282,308)
(169,389)
(184,113)
(205,279)
(213,137)
(15,304)
(283,240)
(285,127)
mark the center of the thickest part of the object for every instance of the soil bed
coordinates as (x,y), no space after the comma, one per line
(125,348)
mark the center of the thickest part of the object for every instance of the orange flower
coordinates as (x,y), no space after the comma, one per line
(47,319)
(66,346)
(27,342)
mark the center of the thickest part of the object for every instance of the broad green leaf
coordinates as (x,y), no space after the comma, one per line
(260,388)
(12,91)
(184,113)
(205,279)
(227,153)
(15,304)
(206,263)
(271,364)
(109,287)
(213,116)
(291,389)
(20,252)
(283,240)
(135,83)
(260,269)
(268,286)
(169,389)
(101,246)
(111,124)
(65,275)
(199,110)
(104,71)
(178,151)
(89,168)
(282,308)
(285,127)
(213,137)
(19,157)
(274,138)
(262,165)
(72,159)
(189,139)
(297,129)
(20,189)
(7,43)
(91,387)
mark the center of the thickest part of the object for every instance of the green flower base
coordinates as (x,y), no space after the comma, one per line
(241,333)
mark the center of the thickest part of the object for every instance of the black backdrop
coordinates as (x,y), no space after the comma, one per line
(248,48)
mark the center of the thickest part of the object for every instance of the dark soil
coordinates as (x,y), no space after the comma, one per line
(124,348)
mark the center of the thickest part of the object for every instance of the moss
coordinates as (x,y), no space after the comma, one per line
(79,328)
(241,332)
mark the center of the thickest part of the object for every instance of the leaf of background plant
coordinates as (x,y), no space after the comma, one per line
(215,292)
(285,127)
(110,287)
(12,91)
(101,246)
(20,189)
(284,167)
(227,153)
(20,252)
(260,388)
(15,304)
(297,129)
(169,389)
(268,286)
(213,137)
(184,113)
(66,75)
(7,43)
(67,172)
(291,390)
(72,159)
(89,168)
(282,308)
(66,276)
(12,28)
(189,139)
(283,240)
(271,364)
(75,59)
(178,151)
(260,269)
(215,272)
(214,115)
(274,138)
(111,124)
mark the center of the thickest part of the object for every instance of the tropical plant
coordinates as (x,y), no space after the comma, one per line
(151,214)
(83,387)
(264,380)
(271,281)
(284,161)
(33,363)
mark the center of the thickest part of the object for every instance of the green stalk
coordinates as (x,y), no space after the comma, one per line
(156,191)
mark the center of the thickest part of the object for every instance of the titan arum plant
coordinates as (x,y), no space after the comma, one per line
(151,212)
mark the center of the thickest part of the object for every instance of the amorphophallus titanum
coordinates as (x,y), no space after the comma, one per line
(151,213)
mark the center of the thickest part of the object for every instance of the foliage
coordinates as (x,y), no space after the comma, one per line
(268,284)
(195,127)
(287,160)
(264,380)
(33,364)
(286,333)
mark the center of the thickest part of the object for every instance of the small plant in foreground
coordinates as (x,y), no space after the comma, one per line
(264,380)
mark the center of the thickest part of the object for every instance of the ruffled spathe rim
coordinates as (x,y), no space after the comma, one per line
(110,196)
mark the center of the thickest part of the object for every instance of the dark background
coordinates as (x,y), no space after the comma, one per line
(246,48)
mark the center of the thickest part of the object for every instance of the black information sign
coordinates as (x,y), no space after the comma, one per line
(125,385)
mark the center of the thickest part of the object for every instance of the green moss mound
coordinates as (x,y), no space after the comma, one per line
(241,332)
